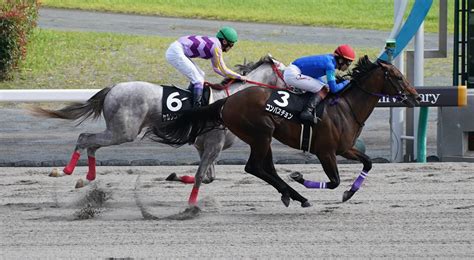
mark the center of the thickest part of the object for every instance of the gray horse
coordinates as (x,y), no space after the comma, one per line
(127,108)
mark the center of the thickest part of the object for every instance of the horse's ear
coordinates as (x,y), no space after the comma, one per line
(366,58)
(383,63)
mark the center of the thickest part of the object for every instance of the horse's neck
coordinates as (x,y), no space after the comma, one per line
(362,103)
(258,75)
(233,88)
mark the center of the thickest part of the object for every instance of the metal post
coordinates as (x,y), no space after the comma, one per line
(421,114)
(397,114)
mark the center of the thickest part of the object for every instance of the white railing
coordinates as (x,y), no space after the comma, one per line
(46,95)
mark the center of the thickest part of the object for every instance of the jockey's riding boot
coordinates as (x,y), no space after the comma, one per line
(190,86)
(309,113)
(197,97)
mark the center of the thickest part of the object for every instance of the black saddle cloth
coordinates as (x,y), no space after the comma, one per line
(289,105)
(175,100)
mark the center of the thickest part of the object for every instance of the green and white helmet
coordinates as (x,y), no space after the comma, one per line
(227,33)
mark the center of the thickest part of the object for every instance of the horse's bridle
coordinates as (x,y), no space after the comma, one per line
(400,96)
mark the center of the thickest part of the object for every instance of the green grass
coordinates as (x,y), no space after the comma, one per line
(95,60)
(363,14)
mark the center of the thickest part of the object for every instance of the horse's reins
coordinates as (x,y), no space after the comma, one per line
(275,69)
(277,72)
(400,97)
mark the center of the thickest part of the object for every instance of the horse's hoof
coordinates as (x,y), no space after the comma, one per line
(285,200)
(81,183)
(55,173)
(172,177)
(306,204)
(207,180)
(347,195)
(296,176)
(192,209)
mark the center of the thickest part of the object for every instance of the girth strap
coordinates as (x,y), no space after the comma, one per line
(305,137)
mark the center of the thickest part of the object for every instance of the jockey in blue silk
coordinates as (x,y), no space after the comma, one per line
(180,53)
(313,73)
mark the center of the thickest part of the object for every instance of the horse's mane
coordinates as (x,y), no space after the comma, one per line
(246,68)
(360,70)
(363,66)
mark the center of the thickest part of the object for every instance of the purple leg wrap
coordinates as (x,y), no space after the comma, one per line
(314,184)
(358,181)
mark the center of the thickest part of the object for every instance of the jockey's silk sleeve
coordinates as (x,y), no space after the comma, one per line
(219,66)
(331,78)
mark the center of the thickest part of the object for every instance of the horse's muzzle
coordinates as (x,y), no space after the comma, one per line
(411,100)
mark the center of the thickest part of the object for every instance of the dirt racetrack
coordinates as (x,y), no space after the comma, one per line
(402,210)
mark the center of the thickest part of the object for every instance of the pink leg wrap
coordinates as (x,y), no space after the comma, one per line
(72,163)
(187,179)
(193,197)
(91,173)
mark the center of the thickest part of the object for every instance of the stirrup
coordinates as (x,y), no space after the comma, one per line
(197,104)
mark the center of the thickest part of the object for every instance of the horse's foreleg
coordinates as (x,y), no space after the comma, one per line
(209,146)
(354,154)
(330,168)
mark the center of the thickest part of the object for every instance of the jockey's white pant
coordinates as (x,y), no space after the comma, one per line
(293,77)
(176,57)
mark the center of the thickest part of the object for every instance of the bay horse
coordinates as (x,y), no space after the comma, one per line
(127,109)
(244,114)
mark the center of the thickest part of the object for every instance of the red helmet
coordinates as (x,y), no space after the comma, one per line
(345,51)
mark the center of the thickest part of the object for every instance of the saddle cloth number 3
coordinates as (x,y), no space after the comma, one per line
(284,99)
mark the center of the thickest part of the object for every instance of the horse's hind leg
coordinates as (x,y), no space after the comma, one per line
(269,167)
(82,143)
(257,163)
(69,169)
(92,142)
(354,154)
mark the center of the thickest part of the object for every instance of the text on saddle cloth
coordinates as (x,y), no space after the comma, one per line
(176,100)
(289,105)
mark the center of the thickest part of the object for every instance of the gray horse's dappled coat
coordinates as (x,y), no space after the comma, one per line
(129,107)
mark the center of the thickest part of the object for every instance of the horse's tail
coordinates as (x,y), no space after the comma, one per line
(77,111)
(188,126)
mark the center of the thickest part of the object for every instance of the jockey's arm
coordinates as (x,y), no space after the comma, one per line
(333,86)
(216,70)
(219,66)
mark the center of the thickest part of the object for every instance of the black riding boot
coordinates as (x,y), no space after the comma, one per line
(308,113)
(197,97)
(190,86)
